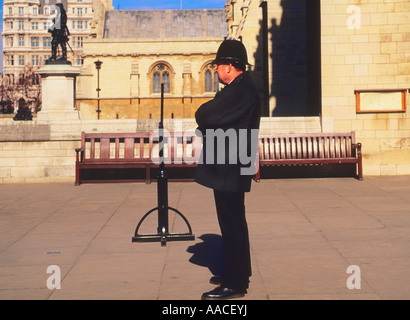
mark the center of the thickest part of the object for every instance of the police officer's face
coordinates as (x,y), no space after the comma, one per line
(224,71)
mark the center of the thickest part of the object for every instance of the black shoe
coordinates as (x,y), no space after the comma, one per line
(216,280)
(222,293)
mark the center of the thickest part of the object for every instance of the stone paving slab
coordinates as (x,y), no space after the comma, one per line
(304,234)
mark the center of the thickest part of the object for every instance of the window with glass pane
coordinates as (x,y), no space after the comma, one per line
(208,81)
(211,79)
(157,82)
(35,60)
(35,41)
(165,80)
(46,42)
(161,74)
(216,82)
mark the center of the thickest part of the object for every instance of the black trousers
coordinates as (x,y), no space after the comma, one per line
(230,207)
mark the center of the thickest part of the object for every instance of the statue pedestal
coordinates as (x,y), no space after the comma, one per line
(58,92)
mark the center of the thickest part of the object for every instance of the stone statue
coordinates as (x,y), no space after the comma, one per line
(60,33)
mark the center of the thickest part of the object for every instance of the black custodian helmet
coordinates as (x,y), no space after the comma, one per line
(232,51)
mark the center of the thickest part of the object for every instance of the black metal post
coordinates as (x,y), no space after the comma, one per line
(163,234)
(98,67)
(162,179)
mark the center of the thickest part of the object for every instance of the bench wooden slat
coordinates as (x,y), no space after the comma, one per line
(337,146)
(92,149)
(293,147)
(141,142)
(304,148)
(282,148)
(349,141)
(105,148)
(332,150)
(117,148)
(129,144)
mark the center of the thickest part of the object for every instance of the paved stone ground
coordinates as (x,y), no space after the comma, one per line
(304,233)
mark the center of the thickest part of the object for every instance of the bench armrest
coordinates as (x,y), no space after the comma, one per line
(79,154)
(358,147)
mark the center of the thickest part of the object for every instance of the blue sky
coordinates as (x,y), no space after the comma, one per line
(168,4)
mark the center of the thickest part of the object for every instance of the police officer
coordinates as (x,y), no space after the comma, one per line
(236,108)
(60,33)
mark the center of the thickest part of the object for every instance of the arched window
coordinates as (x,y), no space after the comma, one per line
(211,79)
(161,74)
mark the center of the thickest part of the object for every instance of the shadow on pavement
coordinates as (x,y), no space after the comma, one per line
(209,253)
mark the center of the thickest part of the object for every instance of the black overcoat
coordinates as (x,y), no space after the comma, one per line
(236,108)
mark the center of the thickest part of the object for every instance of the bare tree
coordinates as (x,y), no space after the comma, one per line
(27,86)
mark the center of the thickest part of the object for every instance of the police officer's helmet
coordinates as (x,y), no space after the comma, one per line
(232,51)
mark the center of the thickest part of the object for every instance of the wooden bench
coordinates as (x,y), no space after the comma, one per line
(309,149)
(132,151)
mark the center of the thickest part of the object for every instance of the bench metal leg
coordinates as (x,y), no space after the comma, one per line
(77,174)
(359,164)
(147,175)
(257,176)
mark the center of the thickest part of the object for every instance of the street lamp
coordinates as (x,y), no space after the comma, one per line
(98,67)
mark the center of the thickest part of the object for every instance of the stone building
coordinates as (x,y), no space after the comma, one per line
(140,49)
(342,65)
(26,40)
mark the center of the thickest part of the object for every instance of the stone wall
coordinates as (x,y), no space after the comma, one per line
(44,151)
(365,46)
